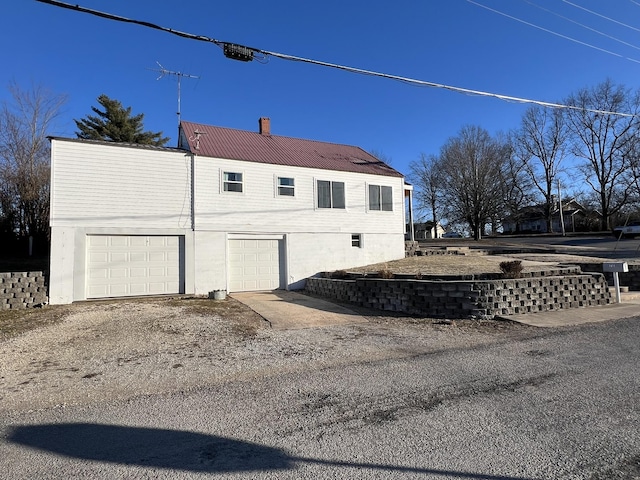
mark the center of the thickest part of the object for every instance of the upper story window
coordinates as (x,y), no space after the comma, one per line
(380,198)
(330,194)
(286,187)
(232,182)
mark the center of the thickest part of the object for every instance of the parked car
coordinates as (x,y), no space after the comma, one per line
(452,235)
(630,230)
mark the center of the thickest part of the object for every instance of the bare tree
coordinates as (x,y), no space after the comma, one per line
(605,143)
(517,188)
(472,164)
(425,175)
(541,144)
(24,160)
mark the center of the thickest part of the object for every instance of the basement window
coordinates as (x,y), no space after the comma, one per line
(356,240)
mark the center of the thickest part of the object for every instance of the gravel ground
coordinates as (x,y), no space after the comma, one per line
(104,351)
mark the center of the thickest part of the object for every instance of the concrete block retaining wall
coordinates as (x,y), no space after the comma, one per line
(22,290)
(629,279)
(464,299)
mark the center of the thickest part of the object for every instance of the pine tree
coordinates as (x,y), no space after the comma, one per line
(115,124)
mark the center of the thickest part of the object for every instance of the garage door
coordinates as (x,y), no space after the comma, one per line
(131,265)
(255,264)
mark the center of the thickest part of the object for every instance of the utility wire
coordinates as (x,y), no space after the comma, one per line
(550,31)
(601,16)
(333,65)
(582,25)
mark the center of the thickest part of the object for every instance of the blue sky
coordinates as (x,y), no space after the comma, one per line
(452,42)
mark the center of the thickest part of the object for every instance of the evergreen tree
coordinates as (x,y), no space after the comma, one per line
(115,124)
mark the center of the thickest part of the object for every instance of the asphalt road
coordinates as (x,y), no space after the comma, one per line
(592,245)
(559,405)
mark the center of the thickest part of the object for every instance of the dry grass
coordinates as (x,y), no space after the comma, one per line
(447,265)
(16,322)
(244,321)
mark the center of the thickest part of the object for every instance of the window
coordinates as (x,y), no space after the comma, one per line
(286,187)
(356,240)
(380,198)
(232,182)
(330,194)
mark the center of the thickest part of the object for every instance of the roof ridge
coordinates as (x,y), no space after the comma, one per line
(280,136)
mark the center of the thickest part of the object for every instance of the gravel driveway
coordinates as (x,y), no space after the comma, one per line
(104,351)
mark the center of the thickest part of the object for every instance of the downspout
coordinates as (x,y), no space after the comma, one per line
(193,192)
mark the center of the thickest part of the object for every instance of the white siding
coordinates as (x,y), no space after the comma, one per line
(259,209)
(314,253)
(113,185)
(119,190)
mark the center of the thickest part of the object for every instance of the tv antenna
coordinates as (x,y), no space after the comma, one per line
(163,71)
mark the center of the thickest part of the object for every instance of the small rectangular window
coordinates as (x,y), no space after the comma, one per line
(356,240)
(330,194)
(286,186)
(232,182)
(380,198)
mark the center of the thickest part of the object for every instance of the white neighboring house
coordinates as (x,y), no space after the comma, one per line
(227,210)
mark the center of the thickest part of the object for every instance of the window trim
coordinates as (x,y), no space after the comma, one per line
(223,182)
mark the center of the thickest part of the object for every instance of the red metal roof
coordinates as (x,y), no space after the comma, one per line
(220,142)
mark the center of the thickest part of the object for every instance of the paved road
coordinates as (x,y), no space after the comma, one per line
(594,245)
(562,404)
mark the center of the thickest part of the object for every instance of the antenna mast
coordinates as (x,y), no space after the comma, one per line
(163,71)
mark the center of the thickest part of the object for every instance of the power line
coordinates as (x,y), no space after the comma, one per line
(549,31)
(246,53)
(601,16)
(582,25)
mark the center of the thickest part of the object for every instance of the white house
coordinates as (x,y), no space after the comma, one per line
(227,210)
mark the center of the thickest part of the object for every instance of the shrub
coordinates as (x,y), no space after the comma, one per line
(339,274)
(512,269)
(385,273)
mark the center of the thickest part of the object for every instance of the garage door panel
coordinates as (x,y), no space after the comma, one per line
(127,265)
(118,241)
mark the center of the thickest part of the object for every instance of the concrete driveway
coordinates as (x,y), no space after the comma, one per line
(291,310)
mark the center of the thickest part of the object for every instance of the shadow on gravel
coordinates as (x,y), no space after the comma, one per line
(181,450)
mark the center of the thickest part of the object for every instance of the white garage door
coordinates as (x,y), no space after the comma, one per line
(131,265)
(255,264)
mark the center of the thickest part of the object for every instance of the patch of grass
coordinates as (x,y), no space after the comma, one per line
(16,322)
(243,320)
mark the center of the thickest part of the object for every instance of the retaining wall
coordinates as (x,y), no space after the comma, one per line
(464,299)
(629,279)
(22,290)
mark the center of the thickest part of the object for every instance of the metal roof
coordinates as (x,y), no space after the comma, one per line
(220,142)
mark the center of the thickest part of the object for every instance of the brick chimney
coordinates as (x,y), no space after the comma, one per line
(265,126)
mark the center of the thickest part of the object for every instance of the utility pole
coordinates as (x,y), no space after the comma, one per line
(560,208)
(163,71)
